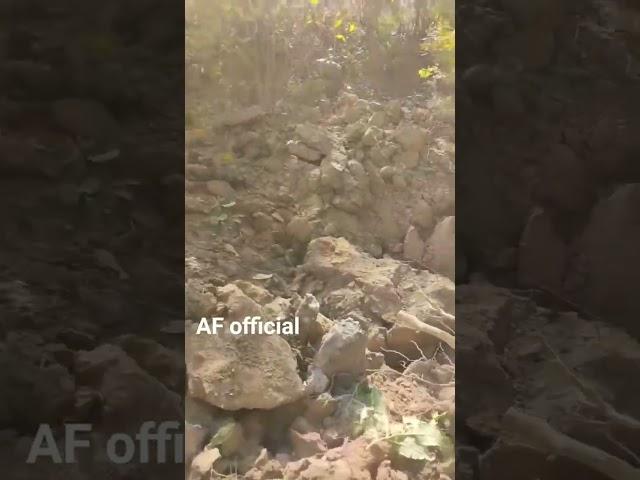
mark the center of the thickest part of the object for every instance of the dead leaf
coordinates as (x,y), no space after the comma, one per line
(262,276)
(229,248)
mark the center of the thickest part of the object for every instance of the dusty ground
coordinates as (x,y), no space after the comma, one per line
(340,212)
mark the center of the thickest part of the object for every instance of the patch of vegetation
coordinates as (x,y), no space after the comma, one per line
(411,437)
(259,51)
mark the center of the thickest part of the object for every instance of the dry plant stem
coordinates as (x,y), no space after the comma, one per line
(540,434)
(616,419)
(411,376)
(444,318)
(407,320)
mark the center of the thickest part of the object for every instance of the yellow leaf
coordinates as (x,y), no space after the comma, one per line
(448,41)
(352,27)
(427,72)
(314,2)
(338,23)
(341,38)
(227,157)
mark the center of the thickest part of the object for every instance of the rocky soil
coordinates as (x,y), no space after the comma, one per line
(547,191)
(340,212)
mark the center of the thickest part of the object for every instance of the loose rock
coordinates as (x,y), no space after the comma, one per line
(343,349)
(411,137)
(241,372)
(440,249)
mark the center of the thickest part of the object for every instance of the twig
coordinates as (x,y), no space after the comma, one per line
(450,323)
(408,320)
(423,356)
(616,418)
(389,350)
(413,376)
(541,435)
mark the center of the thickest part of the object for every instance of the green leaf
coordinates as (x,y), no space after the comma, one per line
(370,413)
(418,439)
(426,434)
(222,434)
(227,433)
(371,397)
(409,448)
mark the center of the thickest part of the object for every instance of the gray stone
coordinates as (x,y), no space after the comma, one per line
(303,152)
(412,137)
(343,349)
(332,170)
(440,249)
(413,246)
(315,137)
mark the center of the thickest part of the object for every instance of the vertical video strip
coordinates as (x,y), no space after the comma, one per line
(548,196)
(92,242)
(320,330)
